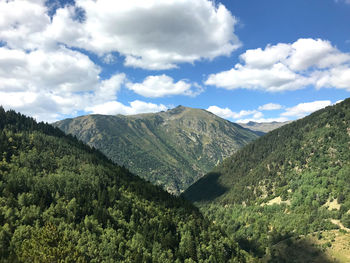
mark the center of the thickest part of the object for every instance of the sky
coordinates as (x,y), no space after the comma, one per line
(243,60)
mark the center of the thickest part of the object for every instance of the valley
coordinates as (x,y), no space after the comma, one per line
(62,201)
(283,197)
(172,149)
(291,182)
(165,131)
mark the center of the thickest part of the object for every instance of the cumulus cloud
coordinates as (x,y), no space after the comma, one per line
(276,78)
(22,23)
(338,77)
(270,106)
(115,107)
(229,114)
(162,85)
(255,114)
(245,116)
(45,73)
(150,34)
(62,69)
(51,84)
(288,67)
(304,109)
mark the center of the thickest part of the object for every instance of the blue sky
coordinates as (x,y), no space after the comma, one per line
(243,60)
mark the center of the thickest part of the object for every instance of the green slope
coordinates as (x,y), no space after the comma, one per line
(61,201)
(292,181)
(172,149)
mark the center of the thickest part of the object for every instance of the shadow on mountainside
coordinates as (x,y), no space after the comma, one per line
(209,186)
(297,251)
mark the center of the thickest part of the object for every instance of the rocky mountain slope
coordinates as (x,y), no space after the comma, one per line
(172,149)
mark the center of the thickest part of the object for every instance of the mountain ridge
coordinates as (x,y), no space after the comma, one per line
(172,148)
(291,182)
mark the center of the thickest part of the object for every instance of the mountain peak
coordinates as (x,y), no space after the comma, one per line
(178,109)
(172,148)
(180,106)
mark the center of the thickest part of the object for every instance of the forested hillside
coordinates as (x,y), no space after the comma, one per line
(293,181)
(62,201)
(172,149)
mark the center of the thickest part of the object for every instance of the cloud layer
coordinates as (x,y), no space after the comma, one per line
(163,85)
(288,67)
(295,112)
(304,109)
(150,34)
(115,107)
(45,72)
(51,84)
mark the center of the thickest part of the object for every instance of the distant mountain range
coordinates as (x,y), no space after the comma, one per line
(292,182)
(172,149)
(263,127)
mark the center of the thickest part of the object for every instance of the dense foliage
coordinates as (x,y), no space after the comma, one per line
(62,201)
(292,181)
(172,149)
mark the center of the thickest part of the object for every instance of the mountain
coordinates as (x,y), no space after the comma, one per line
(172,149)
(62,201)
(291,182)
(263,127)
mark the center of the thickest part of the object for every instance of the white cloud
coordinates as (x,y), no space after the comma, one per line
(45,73)
(228,114)
(109,59)
(270,106)
(63,69)
(277,78)
(162,85)
(22,23)
(115,107)
(107,90)
(288,67)
(338,101)
(50,84)
(304,109)
(151,34)
(298,111)
(258,115)
(42,76)
(258,58)
(306,53)
(255,115)
(336,77)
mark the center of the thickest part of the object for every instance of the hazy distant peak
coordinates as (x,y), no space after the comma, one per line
(263,126)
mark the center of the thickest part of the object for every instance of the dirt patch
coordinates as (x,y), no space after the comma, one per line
(277,200)
(330,205)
